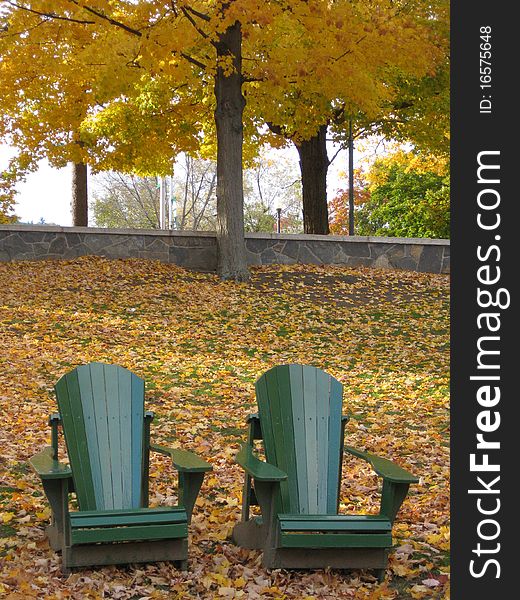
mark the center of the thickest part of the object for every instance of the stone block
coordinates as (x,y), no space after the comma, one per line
(306,256)
(431,259)
(382,262)
(360,261)
(198,259)
(16,246)
(292,249)
(253,259)
(268,256)
(406,263)
(257,245)
(193,242)
(360,249)
(157,245)
(198,250)
(58,245)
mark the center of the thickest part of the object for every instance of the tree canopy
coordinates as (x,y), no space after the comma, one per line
(127,85)
(408,196)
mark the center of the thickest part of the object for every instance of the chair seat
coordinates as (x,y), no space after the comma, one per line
(334,531)
(128,525)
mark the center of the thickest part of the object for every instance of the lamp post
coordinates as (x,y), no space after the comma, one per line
(350,179)
(278,219)
(162,203)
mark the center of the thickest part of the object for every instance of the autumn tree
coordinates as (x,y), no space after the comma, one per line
(97,55)
(121,200)
(96,76)
(6,212)
(408,196)
(62,64)
(394,81)
(339,205)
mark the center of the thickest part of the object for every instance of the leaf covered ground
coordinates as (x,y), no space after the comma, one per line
(200,344)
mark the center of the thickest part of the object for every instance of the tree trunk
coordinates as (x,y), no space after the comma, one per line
(79,203)
(232,263)
(314,164)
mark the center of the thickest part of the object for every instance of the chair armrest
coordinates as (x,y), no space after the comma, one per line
(183,461)
(258,469)
(384,468)
(48,467)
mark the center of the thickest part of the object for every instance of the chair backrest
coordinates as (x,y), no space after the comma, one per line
(300,417)
(102,412)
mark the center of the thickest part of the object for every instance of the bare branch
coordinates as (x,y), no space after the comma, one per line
(335,155)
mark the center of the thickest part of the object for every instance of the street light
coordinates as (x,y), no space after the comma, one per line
(278,219)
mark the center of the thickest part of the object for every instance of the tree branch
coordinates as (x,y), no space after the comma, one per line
(112,21)
(49,15)
(200,31)
(198,14)
(193,61)
(335,155)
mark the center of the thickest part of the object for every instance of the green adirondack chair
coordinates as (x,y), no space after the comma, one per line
(301,424)
(107,435)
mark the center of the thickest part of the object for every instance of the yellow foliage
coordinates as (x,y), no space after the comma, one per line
(126,84)
(200,344)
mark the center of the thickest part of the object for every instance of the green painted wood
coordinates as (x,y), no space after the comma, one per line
(183,460)
(114,410)
(322,437)
(71,411)
(335,434)
(302,428)
(254,422)
(258,469)
(383,467)
(54,422)
(105,434)
(89,415)
(47,467)
(124,385)
(337,524)
(300,415)
(108,442)
(285,395)
(283,438)
(298,408)
(126,511)
(139,488)
(335,540)
(265,418)
(97,376)
(309,445)
(148,418)
(132,533)
(129,517)
(332,518)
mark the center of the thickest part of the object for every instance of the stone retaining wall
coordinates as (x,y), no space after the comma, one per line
(197,250)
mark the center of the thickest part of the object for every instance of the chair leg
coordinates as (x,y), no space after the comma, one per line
(380,574)
(65,561)
(56,491)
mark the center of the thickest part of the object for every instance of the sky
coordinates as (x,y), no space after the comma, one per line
(45,195)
